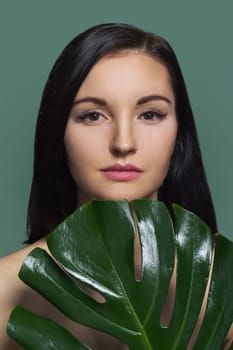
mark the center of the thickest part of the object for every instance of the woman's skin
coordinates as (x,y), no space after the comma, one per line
(123,114)
(119,140)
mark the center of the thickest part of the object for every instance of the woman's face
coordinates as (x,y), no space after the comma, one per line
(122,129)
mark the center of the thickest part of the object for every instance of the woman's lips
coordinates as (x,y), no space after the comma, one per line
(120,172)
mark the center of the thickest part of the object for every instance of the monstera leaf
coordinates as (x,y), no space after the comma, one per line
(96,245)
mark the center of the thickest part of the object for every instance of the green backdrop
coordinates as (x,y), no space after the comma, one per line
(32,34)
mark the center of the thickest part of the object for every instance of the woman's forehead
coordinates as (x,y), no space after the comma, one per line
(131,73)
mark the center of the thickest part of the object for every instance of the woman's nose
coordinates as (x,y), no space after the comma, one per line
(123,140)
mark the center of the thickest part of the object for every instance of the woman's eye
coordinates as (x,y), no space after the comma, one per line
(91,117)
(152,115)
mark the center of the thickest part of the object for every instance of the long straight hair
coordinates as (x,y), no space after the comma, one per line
(53,192)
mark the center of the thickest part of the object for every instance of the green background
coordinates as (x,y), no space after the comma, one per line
(32,34)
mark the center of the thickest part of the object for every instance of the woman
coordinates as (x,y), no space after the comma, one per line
(114,122)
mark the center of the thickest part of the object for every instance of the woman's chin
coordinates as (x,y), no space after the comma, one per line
(117,197)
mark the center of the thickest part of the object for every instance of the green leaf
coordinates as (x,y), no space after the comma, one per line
(219,313)
(47,335)
(95,245)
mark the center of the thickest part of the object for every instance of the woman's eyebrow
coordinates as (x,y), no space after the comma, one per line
(102,102)
(149,98)
(96,100)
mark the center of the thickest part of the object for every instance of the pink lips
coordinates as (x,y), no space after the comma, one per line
(120,172)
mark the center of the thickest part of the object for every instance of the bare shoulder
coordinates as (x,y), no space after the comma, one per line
(14,292)
(10,285)
(12,289)
(9,269)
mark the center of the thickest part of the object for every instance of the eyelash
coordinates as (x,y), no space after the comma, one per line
(86,115)
(154,113)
